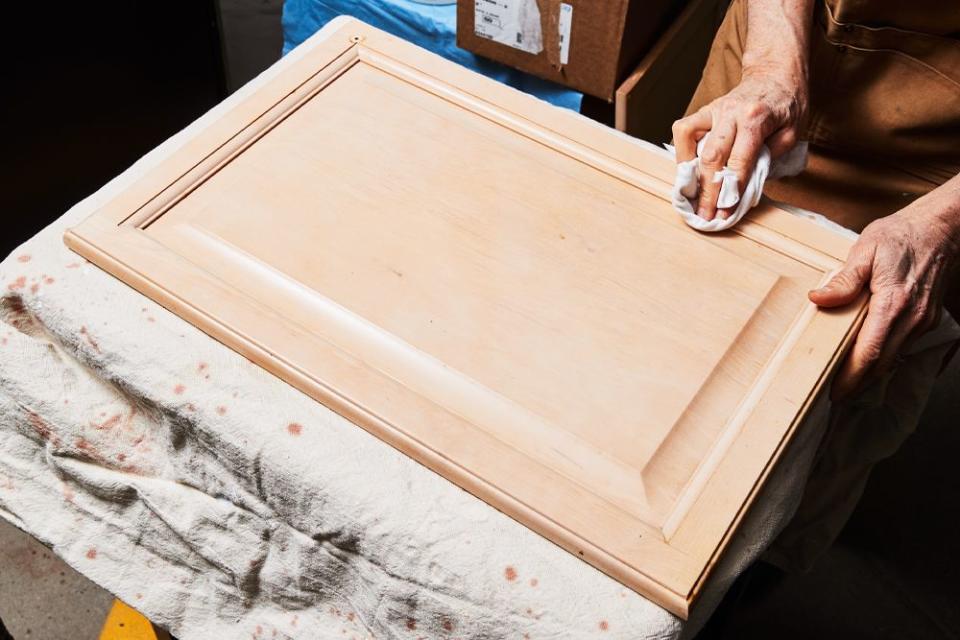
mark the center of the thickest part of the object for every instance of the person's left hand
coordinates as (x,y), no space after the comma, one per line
(908,259)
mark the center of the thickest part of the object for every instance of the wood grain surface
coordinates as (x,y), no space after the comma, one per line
(499,289)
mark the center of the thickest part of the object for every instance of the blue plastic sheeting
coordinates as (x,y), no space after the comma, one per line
(433,27)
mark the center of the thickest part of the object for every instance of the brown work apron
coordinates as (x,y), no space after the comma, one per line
(884,118)
(884,129)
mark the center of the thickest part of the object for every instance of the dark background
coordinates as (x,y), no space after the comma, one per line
(88,88)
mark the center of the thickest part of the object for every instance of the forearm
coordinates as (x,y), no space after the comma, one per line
(949,195)
(778,38)
(943,205)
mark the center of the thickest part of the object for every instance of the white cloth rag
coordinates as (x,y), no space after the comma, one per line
(686,185)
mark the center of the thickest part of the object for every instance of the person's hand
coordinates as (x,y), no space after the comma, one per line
(908,260)
(765,108)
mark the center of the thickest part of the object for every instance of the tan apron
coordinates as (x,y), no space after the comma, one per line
(884,128)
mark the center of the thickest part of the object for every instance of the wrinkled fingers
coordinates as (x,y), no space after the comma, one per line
(687,132)
(713,157)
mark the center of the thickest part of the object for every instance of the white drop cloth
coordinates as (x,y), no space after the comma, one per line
(224,504)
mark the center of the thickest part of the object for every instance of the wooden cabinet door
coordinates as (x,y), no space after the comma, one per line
(498,288)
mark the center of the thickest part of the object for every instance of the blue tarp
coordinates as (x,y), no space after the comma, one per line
(433,27)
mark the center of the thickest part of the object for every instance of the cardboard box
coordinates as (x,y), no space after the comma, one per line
(660,88)
(588,45)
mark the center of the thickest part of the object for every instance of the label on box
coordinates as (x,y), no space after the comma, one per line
(515,23)
(564,22)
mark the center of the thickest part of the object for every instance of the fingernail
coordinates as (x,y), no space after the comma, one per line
(723,214)
(702,212)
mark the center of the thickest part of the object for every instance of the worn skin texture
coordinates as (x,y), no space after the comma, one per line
(221,502)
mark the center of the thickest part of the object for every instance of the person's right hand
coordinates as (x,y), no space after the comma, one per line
(767,107)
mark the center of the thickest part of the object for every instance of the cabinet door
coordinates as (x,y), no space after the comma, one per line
(498,288)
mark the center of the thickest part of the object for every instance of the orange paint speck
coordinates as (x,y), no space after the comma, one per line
(510,574)
(48,280)
(91,554)
(604,625)
(109,423)
(93,343)
(19,283)
(447,625)
(121,457)
(23,258)
(179,389)
(74,265)
(222,410)
(39,425)
(294,429)
(411,624)
(202,367)
(34,288)
(534,582)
